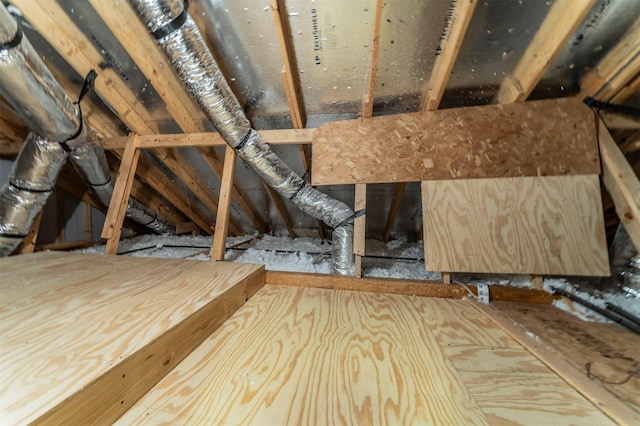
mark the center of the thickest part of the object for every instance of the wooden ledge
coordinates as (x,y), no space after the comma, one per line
(421,288)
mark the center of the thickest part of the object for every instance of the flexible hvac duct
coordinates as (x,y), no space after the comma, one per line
(58,129)
(177,34)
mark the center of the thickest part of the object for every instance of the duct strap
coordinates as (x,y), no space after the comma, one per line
(15,41)
(350,219)
(172,26)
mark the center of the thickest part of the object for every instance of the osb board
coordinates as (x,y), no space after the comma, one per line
(87,333)
(296,355)
(530,225)
(307,356)
(606,352)
(539,138)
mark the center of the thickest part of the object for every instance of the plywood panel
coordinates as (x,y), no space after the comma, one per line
(475,142)
(296,355)
(532,225)
(96,332)
(611,351)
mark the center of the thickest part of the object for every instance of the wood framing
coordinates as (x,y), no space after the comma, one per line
(523,225)
(28,244)
(621,183)
(122,190)
(393,211)
(561,21)
(616,69)
(461,143)
(222,222)
(405,286)
(448,52)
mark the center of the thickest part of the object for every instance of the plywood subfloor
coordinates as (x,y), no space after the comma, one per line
(68,321)
(294,355)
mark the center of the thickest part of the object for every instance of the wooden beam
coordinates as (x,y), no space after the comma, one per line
(459,143)
(619,122)
(51,21)
(369,96)
(626,92)
(222,222)
(621,183)
(29,242)
(393,211)
(73,245)
(186,228)
(561,21)
(281,208)
(88,223)
(156,179)
(122,189)
(601,398)
(458,22)
(359,228)
(616,69)
(208,139)
(153,63)
(403,286)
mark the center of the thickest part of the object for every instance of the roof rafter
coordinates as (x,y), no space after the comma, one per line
(561,21)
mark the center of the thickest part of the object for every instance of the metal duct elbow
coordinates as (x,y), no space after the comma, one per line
(180,39)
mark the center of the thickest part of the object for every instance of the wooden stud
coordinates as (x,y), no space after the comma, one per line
(446,277)
(616,69)
(186,228)
(122,189)
(449,49)
(619,122)
(359,227)
(88,223)
(621,183)
(393,211)
(590,389)
(29,242)
(537,282)
(628,90)
(222,222)
(281,208)
(561,21)
(156,179)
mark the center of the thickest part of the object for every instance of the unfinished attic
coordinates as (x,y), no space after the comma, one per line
(298,212)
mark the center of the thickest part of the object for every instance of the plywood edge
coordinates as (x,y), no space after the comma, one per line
(108,397)
(608,403)
(421,288)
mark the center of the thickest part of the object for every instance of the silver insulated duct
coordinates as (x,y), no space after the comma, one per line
(58,131)
(175,31)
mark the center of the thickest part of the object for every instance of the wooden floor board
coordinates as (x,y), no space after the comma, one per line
(64,348)
(314,356)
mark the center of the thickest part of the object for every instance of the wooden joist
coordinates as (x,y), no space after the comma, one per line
(359,227)
(393,211)
(616,69)
(561,21)
(119,199)
(622,184)
(449,49)
(103,330)
(461,143)
(28,244)
(522,225)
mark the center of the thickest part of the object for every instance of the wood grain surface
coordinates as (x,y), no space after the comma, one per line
(296,355)
(609,350)
(539,138)
(308,356)
(530,225)
(84,336)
